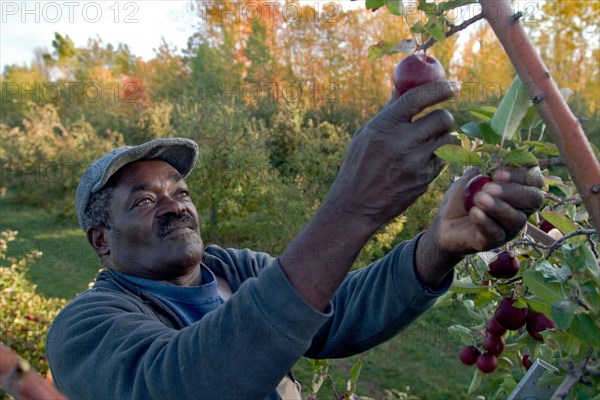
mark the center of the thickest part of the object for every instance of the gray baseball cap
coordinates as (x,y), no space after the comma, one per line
(181,153)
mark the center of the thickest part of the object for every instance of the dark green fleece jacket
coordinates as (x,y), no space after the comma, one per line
(115,341)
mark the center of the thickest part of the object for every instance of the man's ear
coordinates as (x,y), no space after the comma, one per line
(98,238)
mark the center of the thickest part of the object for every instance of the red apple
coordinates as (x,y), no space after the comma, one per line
(468,355)
(527,363)
(510,317)
(493,328)
(504,266)
(494,345)
(475,185)
(546,226)
(537,322)
(416,70)
(487,363)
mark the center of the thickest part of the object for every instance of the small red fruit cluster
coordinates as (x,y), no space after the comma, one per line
(506,317)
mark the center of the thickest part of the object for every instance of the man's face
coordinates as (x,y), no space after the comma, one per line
(154,228)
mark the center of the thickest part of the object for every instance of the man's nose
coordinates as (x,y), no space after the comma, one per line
(169,205)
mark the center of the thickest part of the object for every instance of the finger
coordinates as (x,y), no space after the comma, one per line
(525,176)
(416,100)
(440,141)
(489,233)
(393,97)
(509,218)
(525,198)
(432,126)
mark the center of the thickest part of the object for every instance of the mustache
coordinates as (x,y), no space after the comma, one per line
(174,222)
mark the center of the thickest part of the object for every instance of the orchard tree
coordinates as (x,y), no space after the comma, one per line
(537,297)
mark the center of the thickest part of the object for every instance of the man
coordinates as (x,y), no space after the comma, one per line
(161,321)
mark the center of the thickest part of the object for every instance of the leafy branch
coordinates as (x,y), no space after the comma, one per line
(453,29)
(557,243)
(576,374)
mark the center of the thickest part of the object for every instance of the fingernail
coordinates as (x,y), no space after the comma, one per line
(493,189)
(485,199)
(501,175)
(478,214)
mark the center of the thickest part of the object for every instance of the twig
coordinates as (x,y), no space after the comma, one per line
(558,200)
(576,372)
(557,243)
(592,246)
(539,235)
(551,161)
(453,29)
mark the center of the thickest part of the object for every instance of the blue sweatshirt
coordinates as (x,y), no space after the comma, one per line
(118,341)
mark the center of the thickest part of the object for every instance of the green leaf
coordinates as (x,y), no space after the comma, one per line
(487,134)
(435,27)
(395,6)
(532,119)
(471,129)
(485,297)
(552,273)
(418,27)
(354,374)
(374,4)
(449,5)
(586,330)
(560,221)
(547,291)
(465,286)
(562,312)
(476,381)
(590,295)
(537,304)
(512,110)
(428,8)
(543,147)
(457,155)
(580,258)
(520,158)
(387,47)
(485,113)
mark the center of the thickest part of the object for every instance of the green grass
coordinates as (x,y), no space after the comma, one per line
(68,262)
(422,361)
(422,358)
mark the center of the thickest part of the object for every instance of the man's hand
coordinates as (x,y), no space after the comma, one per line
(388,164)
(390,161)
(500,212)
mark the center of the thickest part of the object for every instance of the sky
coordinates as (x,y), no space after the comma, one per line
(141,24)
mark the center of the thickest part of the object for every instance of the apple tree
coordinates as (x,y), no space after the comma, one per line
(536,299)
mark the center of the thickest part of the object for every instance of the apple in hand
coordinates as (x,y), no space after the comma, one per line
(473,186)
(504,266)
(416,70)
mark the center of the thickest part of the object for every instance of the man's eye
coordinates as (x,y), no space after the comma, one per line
(143,202)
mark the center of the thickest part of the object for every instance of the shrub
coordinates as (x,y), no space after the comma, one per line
(25,315)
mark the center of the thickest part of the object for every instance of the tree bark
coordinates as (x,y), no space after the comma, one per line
(564,127)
